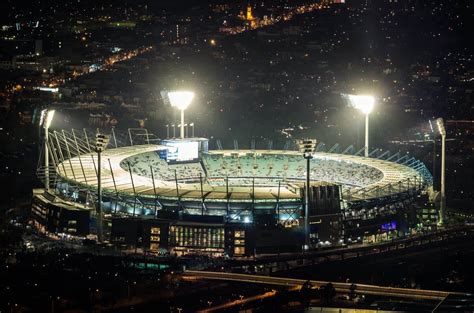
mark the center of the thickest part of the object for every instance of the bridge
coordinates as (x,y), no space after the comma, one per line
(361,289)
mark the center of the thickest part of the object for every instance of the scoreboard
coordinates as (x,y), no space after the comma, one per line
(180,150)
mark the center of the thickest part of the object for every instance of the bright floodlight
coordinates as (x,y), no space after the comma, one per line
(181,99)
(46,119)
(363,103)
(49,118)
(441,128)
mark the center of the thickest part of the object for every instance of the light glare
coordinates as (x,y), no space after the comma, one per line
(362,102)
(49,118)
(181,99)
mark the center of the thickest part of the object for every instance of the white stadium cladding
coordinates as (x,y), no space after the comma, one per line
(223,179)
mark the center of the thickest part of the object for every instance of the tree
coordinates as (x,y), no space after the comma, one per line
(352,293)
(328,292)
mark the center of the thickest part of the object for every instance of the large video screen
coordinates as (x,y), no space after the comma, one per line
(182,151)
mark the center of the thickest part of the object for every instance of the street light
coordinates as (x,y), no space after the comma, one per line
(365,104)
(307,147)
(181,100)
(45,121)
(192,129)
(442,132)
(101,142)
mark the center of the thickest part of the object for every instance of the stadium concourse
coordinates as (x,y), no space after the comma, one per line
(226,202)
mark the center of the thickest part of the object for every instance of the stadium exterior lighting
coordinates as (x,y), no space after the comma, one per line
(101,142)
(49,118)
(45,121)
(181,100)
(307,147)
(365,104)
(442,132)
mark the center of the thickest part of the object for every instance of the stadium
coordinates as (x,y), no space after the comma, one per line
(177,196)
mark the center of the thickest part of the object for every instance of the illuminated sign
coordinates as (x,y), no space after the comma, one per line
(389,226)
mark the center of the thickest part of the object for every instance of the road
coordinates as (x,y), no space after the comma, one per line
(294,260)
(361,289)
(239,302)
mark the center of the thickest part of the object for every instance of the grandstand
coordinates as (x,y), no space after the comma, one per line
(265,168)
(236,186)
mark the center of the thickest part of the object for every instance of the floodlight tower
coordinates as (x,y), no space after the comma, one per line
(442,132)
(181,100)
(365,104)
(434,153)
(101,142)
(46,119)
(307,147)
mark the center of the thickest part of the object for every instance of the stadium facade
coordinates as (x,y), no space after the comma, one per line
(177,196)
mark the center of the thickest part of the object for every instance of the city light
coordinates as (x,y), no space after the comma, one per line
(47,89)
(269,178)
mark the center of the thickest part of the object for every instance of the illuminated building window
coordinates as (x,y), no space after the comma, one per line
(239,250)
(199,237)
(239,234)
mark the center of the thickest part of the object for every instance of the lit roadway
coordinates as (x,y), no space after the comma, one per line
(243,301)
(240,302)
(288,15)
(340,287)
(108,62)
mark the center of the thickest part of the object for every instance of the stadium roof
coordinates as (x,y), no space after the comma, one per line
(82,170)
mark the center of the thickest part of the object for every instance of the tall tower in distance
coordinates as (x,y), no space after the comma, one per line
(249,16)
